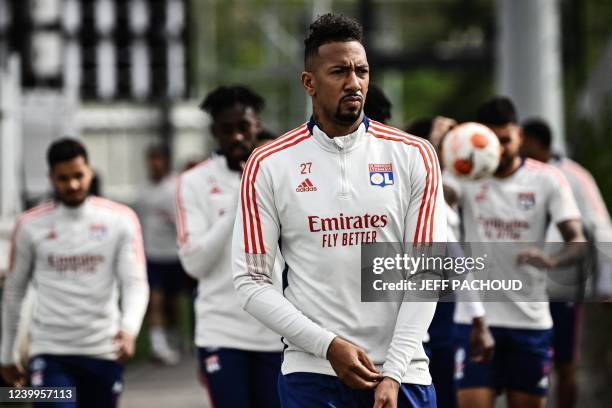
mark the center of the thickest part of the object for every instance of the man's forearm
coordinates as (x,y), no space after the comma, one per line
(412,322)
(571,253)
(274,311)
(200,253)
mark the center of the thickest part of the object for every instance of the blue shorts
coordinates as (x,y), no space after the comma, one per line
(521,361)
(167,276)
(98,382)
(310,390)
(567,317)
(441,352)
(441,368)
(240,378)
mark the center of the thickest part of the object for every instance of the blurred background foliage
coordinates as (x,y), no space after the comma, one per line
(430,56)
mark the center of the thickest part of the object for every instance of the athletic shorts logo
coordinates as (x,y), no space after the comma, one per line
(117,387)
(305,186)
(212,364)
(459,363)
(526,200)
(37,369)
(381,175)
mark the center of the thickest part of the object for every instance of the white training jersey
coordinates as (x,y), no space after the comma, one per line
(207,197)
(595,218)
(155,207)
(515,209)
(78,260)
(322,198)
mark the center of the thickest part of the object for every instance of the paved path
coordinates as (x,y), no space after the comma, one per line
(150,385)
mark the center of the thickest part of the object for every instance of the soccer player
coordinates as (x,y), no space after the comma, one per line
(77,252)
(239,357)
(440,344)
(515,205)
(567,316)
(322,190)
(155,207)
(265,137)
(377,106)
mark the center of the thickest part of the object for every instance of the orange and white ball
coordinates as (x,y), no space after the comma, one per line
(471,150)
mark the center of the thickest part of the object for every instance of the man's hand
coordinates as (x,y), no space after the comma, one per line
(352,365)
(482,344)
(440,127)
(13,376)
(125,345)
(535,257)
(386,393)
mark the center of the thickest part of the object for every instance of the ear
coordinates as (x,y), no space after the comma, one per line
(90,170)
(308,82)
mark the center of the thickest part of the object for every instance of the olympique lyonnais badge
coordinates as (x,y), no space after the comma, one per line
(98,231)
(526,200)
(381,174)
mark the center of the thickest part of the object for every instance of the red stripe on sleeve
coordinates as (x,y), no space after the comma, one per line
(427,209)
(253,235)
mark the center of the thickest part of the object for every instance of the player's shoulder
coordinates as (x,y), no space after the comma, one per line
(35,214)
(398,138)
(199,170)
(111,208)
(282,148)
(544,171)
(570,167)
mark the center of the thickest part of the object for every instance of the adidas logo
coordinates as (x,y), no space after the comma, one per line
(306,185)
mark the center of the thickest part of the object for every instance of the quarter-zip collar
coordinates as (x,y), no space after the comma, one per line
(339,143)
(74,212)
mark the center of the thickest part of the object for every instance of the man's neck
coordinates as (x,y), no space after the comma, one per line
(334,129)
(507,172)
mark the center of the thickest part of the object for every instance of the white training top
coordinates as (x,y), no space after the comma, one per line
(207,197)
(78,260)
(322,198)
(595,219)
(155,207)
(512,210)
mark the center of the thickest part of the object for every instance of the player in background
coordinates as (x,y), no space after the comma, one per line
(324,189)
(239,357)
(515,205)
(567,316)
(84,255)
(440,342)
(377,106)
(264,137)
(155,207)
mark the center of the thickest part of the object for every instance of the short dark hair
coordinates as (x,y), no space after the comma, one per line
(225,97)
(497,111)
(377,105)
(65,149)
(539,130)
(421,127)
(331,28)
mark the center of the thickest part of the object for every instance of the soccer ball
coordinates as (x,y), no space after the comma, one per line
(471,150)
